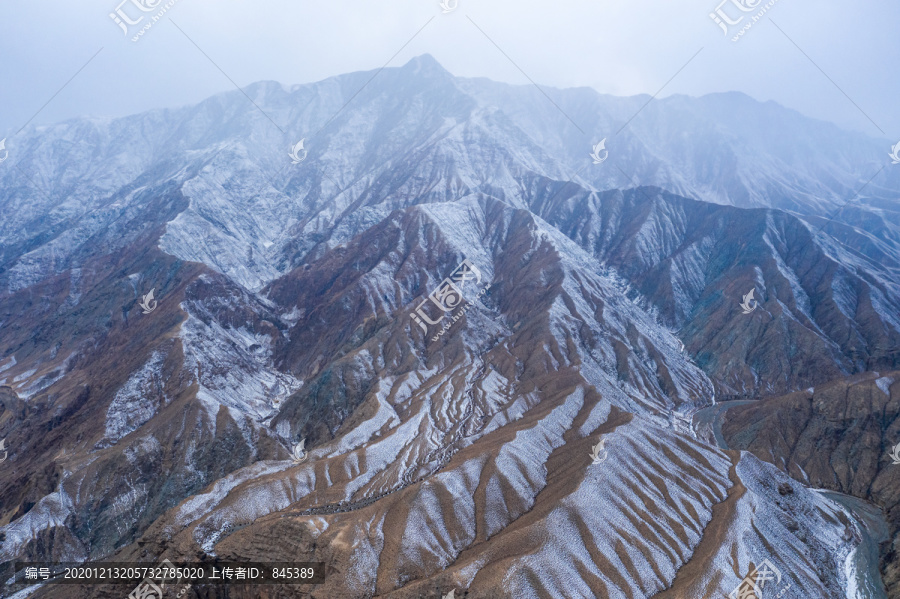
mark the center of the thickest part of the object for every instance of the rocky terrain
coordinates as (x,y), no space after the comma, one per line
(537,439)
(838,435)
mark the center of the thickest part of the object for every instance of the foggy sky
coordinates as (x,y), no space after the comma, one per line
(831,60)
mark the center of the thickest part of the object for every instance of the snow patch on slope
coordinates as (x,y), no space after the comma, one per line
(233,366)
(884,383)
(136,402)
(50,512)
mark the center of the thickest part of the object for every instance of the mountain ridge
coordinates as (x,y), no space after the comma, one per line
(603,311)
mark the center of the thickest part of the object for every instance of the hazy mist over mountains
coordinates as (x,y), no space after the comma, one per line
(452,337)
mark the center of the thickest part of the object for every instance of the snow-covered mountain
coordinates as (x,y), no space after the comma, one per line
(414,134)
(597,317)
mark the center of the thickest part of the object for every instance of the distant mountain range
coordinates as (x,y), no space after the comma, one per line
(602,302)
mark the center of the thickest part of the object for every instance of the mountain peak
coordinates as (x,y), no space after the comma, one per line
(425,64)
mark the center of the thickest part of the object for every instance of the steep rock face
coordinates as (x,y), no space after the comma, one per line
(837,436)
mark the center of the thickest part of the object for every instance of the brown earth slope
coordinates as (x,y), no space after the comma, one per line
(836,436)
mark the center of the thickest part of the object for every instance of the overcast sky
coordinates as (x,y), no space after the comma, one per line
(836,61)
